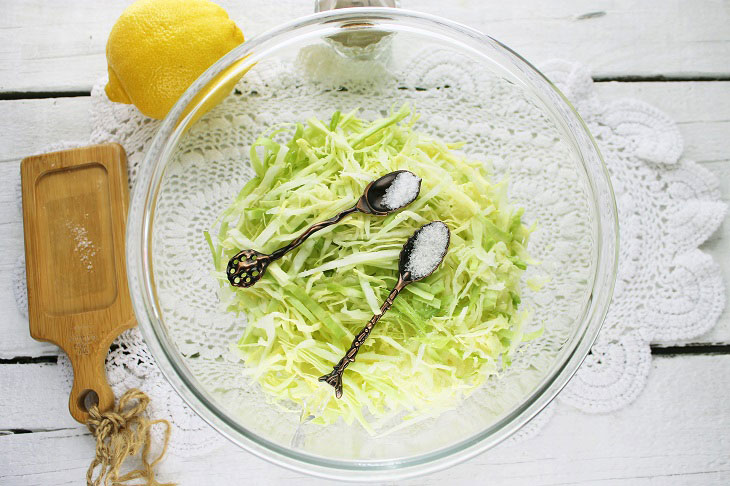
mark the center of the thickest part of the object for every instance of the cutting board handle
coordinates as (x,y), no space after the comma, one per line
(89,380)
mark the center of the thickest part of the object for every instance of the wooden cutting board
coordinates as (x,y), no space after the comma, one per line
(74,212)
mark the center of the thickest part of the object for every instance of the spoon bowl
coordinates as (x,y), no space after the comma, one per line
(407,253)
(374,194)
(246,267)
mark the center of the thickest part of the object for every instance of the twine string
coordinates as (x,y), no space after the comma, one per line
(120,433)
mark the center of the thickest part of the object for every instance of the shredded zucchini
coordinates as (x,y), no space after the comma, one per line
(444,335)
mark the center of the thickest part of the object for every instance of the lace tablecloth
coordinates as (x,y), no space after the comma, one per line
(667,289)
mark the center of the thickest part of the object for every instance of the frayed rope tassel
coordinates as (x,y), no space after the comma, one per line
(122,432)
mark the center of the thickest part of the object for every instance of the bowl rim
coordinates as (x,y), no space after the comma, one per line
(142,289)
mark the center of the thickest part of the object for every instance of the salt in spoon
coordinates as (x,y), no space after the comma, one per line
(390,193)
(420,257)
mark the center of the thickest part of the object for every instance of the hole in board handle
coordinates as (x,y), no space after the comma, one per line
(88,399)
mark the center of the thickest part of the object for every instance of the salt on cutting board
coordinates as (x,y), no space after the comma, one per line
(74,212)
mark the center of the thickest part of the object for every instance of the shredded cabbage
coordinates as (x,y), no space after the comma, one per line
(443,337)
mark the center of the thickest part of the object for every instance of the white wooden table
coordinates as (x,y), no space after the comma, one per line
(675,55)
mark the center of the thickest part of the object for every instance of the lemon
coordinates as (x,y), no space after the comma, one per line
(157,48)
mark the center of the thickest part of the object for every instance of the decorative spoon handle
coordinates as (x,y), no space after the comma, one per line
(247,267)
(334,378)
(310,231)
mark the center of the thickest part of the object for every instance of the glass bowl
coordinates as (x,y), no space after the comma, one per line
(466,87)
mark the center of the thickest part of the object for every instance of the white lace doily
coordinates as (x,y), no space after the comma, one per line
(666,288)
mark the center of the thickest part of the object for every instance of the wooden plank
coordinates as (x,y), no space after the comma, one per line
(701,109)
(27,127)
(52,46)
(718,245)
(675,433)
(698,107)
(16,339)
(702,112)
(35,397)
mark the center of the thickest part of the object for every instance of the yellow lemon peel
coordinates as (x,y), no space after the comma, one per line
(157,48)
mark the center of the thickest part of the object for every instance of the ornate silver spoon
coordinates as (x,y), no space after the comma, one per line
(389,194)
(420,257)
